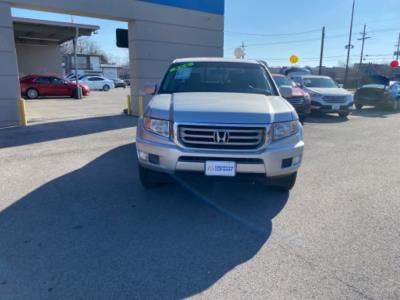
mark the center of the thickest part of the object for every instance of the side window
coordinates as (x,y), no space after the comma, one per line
(92,79)
(43,80)
(56,80)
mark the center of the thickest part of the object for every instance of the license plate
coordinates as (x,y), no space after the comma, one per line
(336,107)
(220,168)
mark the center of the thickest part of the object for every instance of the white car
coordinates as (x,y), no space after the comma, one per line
(326,95)
(97,83)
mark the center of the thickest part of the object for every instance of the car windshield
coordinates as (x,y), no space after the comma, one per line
(223,77)
(283,81)
(319,82)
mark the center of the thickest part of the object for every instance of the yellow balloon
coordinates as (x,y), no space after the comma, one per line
(294,59)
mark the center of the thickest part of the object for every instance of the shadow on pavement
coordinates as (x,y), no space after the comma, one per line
(325,118)
(372,112)
(95,233)
(18,136)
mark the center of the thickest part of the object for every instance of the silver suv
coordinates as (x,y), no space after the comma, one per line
(220,117)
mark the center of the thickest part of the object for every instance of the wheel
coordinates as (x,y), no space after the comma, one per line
(359,106)
(150,179)
(284,183)
(344,114)
(106,88)
(32,94)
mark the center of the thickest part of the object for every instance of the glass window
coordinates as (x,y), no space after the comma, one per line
(224,77)
(55,80)
(283,81)
(319,82)
(43,80)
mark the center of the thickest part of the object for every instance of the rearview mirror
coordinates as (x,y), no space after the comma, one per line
(286,92)
(150,89)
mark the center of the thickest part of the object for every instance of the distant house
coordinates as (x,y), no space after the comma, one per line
(89,65)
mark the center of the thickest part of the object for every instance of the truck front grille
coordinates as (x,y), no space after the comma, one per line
(221,137)
(335,99)
(298,100)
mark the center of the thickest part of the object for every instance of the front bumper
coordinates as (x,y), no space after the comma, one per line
(329,108)
(271,161)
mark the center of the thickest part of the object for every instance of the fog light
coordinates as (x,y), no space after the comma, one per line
(154,159)
(287,163)
(296,160)
(143,155)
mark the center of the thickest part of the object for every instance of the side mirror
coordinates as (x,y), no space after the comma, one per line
(340,85)
(150,89)
(286,91)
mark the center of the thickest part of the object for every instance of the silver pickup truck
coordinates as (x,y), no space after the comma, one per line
(220,117)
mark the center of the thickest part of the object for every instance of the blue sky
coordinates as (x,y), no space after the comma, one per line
(274,30)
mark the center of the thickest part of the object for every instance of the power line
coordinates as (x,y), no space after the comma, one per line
(271,34)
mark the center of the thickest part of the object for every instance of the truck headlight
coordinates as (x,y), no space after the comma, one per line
(160,127)
(284,129)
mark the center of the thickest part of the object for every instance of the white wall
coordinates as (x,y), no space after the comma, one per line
(9,83)
(35,59)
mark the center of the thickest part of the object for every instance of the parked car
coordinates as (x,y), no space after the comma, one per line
(128,82)
(98,83)
(326,95)
(377,91)
(34,86)
(220,117)
(300,100)
(118,82)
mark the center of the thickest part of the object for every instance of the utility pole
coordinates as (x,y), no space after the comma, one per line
(398,49)
(243,49)
(349,46)
(363,38)
(322,51)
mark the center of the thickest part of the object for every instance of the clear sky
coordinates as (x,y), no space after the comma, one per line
(275,29)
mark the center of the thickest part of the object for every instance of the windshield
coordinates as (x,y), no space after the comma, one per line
(319,82)
(219,77)
(283,81)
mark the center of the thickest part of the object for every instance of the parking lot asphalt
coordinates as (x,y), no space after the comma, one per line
(75,223)
(97,104)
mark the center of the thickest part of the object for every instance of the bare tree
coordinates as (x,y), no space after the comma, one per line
(85,46)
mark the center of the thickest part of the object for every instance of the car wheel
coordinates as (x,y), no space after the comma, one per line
(106,88)
(359,106)
(32,94)
(284,183)
(344,114)
(149,178)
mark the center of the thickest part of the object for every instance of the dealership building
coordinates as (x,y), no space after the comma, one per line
(159,31)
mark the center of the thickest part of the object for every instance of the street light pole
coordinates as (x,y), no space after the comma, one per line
(349,46)
(78,91)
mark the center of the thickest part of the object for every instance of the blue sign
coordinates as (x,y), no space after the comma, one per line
(210,6)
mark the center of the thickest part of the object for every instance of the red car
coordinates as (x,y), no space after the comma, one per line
(300,99)
(34,86)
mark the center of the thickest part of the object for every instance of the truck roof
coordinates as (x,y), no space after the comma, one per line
(214,59)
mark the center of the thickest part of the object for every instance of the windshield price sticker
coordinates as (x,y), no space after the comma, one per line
(183,74)
(181,67)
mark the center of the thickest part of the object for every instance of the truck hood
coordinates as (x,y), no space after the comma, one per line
(328,91)
(221,108)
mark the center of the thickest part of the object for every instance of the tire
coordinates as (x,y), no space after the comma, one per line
(106,88)
(285,183)
(151,179)
(359,106)
(32,94)
(344,114)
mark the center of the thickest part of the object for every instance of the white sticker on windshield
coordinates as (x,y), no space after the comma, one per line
(183,74)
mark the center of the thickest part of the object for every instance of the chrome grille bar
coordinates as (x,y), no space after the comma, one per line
(221,137)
